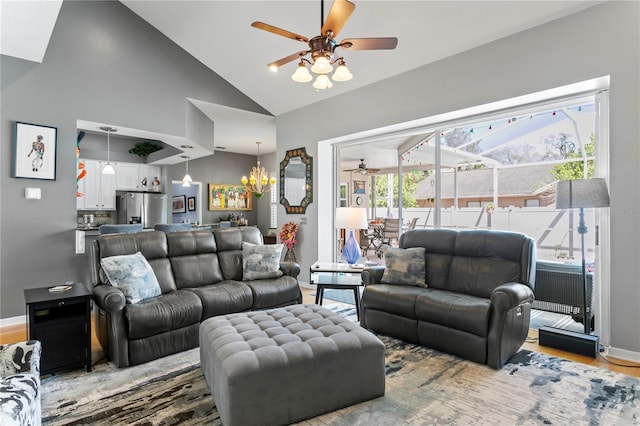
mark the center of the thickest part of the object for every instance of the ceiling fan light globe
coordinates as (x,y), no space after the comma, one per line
(342,74)
(322,82)
(273,68)
(322,65)
(302,75)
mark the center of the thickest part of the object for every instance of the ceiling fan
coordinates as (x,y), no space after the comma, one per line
(323,47)
(363,169)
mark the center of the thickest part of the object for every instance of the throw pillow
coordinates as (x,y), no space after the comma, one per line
(404,266)
(133,275)
(261,261)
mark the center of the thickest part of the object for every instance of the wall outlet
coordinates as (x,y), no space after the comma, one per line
(303,221)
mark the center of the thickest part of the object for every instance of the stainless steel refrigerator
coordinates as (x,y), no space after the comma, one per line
(147,208)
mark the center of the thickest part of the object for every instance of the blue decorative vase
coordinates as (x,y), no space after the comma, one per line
(351,250)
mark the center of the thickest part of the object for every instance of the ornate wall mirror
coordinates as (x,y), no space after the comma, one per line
(296,181)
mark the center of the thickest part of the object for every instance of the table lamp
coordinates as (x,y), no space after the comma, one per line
(351,218)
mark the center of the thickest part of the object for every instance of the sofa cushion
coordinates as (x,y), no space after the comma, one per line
(224,298)
(261,261)
(392,298)
(454,310)
(274,292)
(133,275)
(404,266)
(164,313)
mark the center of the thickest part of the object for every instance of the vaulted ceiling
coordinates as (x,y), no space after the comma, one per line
(219,34)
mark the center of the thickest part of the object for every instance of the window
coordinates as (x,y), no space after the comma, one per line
(532,203)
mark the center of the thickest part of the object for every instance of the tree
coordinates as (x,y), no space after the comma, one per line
(575,169)
(409,182)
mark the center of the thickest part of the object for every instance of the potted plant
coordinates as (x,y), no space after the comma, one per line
(144,148)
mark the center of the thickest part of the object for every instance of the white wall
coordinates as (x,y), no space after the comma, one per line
(603,40)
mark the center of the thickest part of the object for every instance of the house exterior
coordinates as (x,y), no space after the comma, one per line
(523,186)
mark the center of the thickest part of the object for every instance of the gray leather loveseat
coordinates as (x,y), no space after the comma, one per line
(477,299)
(200,274)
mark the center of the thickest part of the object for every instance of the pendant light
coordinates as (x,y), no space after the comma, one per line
(186,180)
(108,168)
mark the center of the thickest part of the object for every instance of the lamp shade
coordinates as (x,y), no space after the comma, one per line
(582,193)
(351,218)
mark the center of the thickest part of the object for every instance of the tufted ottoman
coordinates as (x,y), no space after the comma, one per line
(282,365)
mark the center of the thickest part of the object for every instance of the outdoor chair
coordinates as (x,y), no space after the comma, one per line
(559,289)
(390,231)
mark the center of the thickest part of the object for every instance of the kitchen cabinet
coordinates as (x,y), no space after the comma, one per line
(99,190)
(131,176)
(127,176)
(149,173)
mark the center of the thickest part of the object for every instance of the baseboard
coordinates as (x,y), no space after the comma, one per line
(569,341)
(19,320)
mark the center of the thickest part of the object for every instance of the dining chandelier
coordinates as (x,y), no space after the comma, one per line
(259,181)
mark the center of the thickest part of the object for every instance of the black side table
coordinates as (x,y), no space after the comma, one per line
(62,323)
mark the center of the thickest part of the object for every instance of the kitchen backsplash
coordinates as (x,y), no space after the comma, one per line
(95,217)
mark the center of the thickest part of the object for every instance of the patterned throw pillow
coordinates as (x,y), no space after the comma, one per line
(404,266)
(133,275)
(261,261)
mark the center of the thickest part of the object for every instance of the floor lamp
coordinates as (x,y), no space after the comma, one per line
(582,193)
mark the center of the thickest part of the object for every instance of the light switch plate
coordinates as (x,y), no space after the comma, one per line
(32,193)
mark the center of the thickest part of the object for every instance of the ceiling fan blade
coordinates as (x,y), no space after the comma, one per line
(288,59)
(279,31)
(338,15)
(371,43)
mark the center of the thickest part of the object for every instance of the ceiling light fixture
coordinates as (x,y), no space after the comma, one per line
(259,181)
(323,47)
(108,168)
(186,180)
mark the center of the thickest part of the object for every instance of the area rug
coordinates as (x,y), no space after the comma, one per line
(423,386)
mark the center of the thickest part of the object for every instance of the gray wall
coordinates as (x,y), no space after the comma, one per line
(222,167)
(600,41)
(103,64)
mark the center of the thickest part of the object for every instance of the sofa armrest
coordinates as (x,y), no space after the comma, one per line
(291,269)
(510,295)
(372,275)
(22,357)
(108,298)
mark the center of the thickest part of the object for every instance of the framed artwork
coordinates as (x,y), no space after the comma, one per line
(228,196)
(179,204)
(35,149)
(358,187)
(191,204)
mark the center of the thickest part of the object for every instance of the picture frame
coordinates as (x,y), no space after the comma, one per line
(191,204)
(35,149)
(359,186)
(229,197)
(179,204)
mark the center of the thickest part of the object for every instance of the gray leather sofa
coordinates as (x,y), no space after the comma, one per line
(200,275)
(478,301)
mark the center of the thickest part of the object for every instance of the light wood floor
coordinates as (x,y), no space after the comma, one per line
(18,333)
